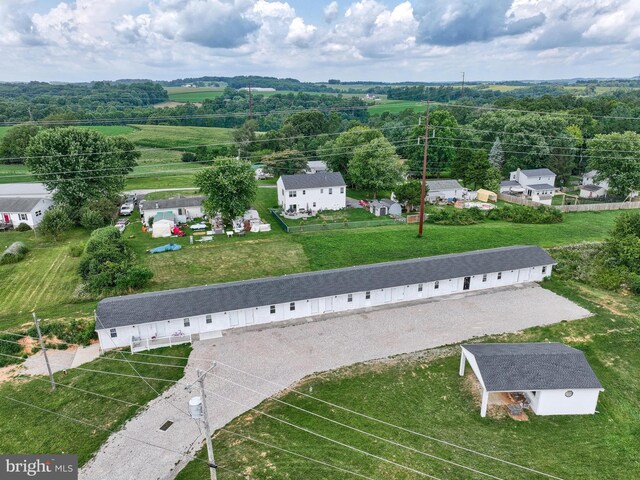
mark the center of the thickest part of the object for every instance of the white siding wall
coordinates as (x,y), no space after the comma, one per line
(30,218)
(316,306)
(190,212)
(555,402)
(313,198)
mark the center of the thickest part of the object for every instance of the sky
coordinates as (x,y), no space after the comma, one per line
(314,40)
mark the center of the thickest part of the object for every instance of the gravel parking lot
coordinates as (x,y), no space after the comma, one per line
(286,354)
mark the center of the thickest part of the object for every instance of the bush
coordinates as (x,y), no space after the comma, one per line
(9,348)
(78,332)
(76,249)
(91,219)
(55,222)
(531,215)
(136,277)
(23,227)
(468,216)
(14,253)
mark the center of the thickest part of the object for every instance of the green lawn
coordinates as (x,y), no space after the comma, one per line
(170,194)
(340,216)
(46,280)
(27,430)
(395,106)
(164,136)
(425,394)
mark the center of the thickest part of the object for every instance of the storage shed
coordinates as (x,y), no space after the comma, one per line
(163,223)
(381,208)
(486,196)
(555,379)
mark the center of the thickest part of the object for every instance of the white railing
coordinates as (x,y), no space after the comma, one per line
(140,345)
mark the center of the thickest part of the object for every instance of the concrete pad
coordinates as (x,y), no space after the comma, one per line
(58,359)
(86,355)
(286,354)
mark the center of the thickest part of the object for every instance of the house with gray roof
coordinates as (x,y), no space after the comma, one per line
(446,190)
(538,184)
(312,192)
(211,309)
(28,210)
(554,378)
(185,208)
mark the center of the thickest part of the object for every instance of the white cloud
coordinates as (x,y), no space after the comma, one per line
(331,12)
(300,34)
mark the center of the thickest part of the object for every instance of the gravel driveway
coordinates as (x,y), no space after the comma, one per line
(286,354)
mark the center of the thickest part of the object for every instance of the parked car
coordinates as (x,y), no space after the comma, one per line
(121,225)
(127,209)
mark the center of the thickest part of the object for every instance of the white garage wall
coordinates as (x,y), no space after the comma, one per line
(555,402)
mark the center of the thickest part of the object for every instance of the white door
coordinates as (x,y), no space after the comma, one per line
(328,304)
(252,317)
(523,275)
(315,305)
(234,319)
(161,329)
(399,293)
(387,295)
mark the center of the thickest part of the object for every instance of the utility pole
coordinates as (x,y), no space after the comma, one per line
(44,350)
(424,171)
(203,415)
(250,102)
(462,93)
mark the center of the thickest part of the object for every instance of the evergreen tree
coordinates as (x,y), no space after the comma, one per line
(496,155)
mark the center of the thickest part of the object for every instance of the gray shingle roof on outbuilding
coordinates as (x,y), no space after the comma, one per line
(194,301)
(508,367)
(17,205)
(439,185)
(313,180)
(591,188)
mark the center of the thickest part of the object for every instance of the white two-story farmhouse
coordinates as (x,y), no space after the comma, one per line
(537,184)
(312,192)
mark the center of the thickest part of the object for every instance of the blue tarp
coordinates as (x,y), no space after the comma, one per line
(165,248)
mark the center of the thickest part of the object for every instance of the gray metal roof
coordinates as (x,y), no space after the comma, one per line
(591,188)
(541,186)
(178,202)
(17,205)
(538,172)
(193,301)
(507,367)
(439,185)
(313,180)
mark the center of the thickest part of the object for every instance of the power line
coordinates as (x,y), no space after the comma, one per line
(368,417)
(363,432)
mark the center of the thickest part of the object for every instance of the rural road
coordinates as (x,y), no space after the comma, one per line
(286,354)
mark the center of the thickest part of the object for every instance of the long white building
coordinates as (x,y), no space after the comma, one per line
(154,319)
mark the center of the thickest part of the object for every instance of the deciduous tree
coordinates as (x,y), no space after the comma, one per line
(616,157)
(375,166)
(230,186)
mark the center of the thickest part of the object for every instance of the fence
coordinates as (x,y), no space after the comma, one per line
(518,200)
(319,227)
(598,207)
(139,345)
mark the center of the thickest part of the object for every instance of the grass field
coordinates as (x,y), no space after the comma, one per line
(27,430)
(425,394)
(395,106)
(47,278)
(193,95)
(164,136)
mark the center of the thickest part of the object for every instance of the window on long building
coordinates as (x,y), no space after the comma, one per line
(544,269)
(367,295)
(187,322)
(436,285)
(350,297)
(208,319)
(272,309)
(419,287)
(292,306)
(499,275)
(113,332)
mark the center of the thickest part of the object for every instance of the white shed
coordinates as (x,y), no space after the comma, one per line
(555,379)
(183,208)
(381,208)
(163,223)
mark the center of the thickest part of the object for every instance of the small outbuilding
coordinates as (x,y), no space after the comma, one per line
(554,378)
(592,191)
(184,208)
(381,208)
(163,223)
(486,196)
